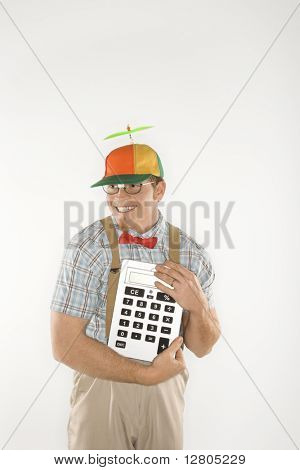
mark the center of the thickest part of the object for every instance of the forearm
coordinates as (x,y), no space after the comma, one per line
(202,331)
(96,359)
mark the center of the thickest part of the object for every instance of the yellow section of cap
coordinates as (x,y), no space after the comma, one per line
(145,160)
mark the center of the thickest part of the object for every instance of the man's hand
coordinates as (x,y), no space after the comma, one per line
(166,364)
(187,291)
(201,325)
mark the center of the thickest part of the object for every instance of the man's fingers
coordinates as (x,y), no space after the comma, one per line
(176,343)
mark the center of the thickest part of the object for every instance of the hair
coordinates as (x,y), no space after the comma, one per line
(155,179)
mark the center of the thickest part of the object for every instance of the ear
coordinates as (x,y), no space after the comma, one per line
(160,190)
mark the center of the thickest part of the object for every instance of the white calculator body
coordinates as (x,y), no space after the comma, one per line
(145,320)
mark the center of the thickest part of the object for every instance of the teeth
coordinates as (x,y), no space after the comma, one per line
(125,209)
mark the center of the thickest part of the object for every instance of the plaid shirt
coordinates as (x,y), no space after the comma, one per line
(81,286)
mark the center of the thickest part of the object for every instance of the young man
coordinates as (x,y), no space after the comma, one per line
(117,402)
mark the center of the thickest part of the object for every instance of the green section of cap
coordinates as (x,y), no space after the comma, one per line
(127,132)
(116,179)
(161,170)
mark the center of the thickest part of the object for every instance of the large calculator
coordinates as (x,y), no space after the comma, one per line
(145,320)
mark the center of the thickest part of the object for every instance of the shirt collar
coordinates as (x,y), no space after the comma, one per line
(156,230)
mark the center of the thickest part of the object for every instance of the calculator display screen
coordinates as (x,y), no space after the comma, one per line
(141,278)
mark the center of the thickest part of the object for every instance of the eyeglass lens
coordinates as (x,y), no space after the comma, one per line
(129,188)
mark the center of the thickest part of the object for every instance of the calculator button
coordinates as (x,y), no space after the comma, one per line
(167,319)
(164,297)
(124,322)
(150,339)
(139,314)
(136,335)
(134,291)
(169,308)
(151,327)
(127,301)
(138,324)
(150,297)
(120,344)
(141,303)
(163,344)
(165,330)
(126,312)
(155,306)
(122,333)
(153,316)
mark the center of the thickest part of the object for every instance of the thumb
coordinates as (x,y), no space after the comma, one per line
(179,354)
(176,343)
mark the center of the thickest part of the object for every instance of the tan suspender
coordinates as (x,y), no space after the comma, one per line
(114,274)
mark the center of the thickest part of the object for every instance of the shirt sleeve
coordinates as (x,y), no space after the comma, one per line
(76,291)
(206,276)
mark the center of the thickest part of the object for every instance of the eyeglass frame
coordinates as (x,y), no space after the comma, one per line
(122,186)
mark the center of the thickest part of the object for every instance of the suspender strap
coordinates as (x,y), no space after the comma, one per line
(174,255)
(114,274)
(174,243)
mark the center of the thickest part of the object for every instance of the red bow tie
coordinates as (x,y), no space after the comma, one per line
(126,237)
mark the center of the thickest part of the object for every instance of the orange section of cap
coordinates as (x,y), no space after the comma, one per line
(120,161)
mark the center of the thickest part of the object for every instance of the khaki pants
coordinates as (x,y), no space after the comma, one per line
(116,415)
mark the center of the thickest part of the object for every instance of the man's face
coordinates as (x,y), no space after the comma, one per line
(143,205)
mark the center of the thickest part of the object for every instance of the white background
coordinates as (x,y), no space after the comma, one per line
(88,69)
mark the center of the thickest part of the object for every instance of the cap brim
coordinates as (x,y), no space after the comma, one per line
(115,179)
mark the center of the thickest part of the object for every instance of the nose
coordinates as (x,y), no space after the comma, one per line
(121,197)
(121,193)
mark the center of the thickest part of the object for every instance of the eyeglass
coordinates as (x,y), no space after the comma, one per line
(130,188)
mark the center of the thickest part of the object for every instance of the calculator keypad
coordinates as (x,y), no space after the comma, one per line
(162,309)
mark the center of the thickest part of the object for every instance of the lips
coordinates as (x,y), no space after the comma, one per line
(124,209)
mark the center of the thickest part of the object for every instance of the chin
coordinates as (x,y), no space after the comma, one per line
(124,220)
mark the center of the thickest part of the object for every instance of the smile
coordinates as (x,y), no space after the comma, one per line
(125,208)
